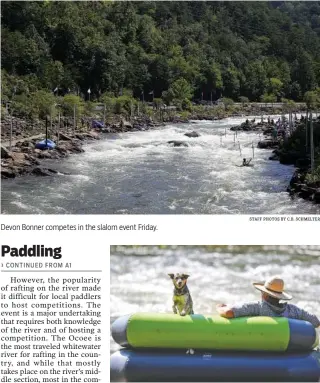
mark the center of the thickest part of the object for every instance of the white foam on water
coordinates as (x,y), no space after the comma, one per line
(27,208)
(203,178)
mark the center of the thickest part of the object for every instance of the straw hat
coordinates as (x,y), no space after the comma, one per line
(273,286)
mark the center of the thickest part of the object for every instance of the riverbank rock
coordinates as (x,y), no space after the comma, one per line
(178,143)
(64,137)
(192,134)
(7,173)
(5,153)
(289,158)
(44,172)
(267,144)
(245,126)
(303,163)
(126,124)
(274,157)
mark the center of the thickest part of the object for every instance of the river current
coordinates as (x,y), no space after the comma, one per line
(139,173)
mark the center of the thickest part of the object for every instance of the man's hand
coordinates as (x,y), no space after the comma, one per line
(224,311)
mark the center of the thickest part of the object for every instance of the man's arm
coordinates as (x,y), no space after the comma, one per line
(224,311)
(313,319)
(247,309)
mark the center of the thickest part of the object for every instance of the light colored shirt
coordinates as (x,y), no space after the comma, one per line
(263,308)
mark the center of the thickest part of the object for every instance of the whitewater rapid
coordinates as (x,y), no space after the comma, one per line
(139,173)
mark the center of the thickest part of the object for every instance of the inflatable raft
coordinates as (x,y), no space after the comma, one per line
(45,144)
(175,366)
(241,349)
(155,330)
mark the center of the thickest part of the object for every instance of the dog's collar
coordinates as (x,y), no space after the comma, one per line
(181,291)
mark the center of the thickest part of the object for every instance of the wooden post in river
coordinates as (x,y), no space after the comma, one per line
(252,150)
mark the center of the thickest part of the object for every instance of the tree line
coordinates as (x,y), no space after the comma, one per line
(177,51)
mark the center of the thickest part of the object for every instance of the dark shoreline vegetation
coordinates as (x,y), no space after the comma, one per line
(138,65)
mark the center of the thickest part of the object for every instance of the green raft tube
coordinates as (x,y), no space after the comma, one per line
(170,331)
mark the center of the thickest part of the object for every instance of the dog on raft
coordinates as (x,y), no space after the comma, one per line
(182,301)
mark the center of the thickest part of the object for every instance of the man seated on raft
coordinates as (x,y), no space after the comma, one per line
(272,292)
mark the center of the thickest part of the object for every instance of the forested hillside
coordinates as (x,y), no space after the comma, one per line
(249,49)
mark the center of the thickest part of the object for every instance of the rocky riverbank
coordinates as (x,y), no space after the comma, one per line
(25,159)
(299,186)
(287,154)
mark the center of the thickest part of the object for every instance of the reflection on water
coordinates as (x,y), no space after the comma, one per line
(139,280)
(139,173)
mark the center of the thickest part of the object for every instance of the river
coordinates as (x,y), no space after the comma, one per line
(139,173)
(218,274)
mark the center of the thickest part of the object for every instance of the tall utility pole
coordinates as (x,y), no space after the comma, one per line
(74,118)
(311,143)
(46,130)
(59,122)
(290,130)
(307,132)
(10,129)
(51,119)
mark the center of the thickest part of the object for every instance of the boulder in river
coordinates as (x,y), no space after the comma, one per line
(267,144)
(7,173)
(40,171)
(192,134)
(178,143)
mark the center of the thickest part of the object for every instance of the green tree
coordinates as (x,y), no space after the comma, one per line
(71,101)
(179,91)
(275,86)
(244,100)
(42,104)
(269,98)
(312,99)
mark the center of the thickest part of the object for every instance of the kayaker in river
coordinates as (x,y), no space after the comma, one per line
(245,162)
(272,292)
